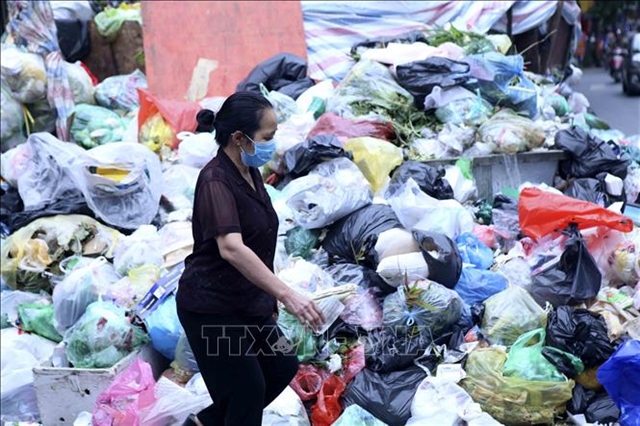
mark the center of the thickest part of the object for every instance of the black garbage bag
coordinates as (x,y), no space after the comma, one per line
(387,352)
(446,268)
(353,238)
(348,273)
(574,279)
(74,39)
(580,399)
(587,189)
(388,396)
(381,42)
(563,362)
(420,77)
(430,179)
(301,158)
(580,332)
(602,410)
(590,155)
(285,72)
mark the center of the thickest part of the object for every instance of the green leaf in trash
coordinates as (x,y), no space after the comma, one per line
(596,122)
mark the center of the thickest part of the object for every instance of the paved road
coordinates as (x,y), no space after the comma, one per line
(608,102)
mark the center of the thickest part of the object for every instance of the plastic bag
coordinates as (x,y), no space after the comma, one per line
(179,185)
(363,277)
(110,20)
(25,74)
(376,158)
(572,279)
(303,340)
(356,415)
(386,396)
(38,318)
(286,409)
(387,352)
(328,408)
(353,239)
(619,376)
(625,260)
(164,327)
(173,404)
(138,249)
(102,337)
(80,83)
(473,251)
(345,128)
(9,302)
(501,81)
(429,178)
(590,155)
(331,191)
(285,72)
(363,310)
(196,150)
(301,241)
(120,91)
(442,257)
(131,392)
(93,125)
(511,313)
(44,117)
(537,401)
(304,156)
(420,77)
(12,121)
(542,213)
(559,104)
(308,381)
(418,211)
(476,285)
(81,287)
(581,333)
(508,133)
(423,307)
(394,270)
(184,365)
(470,112)
(284,105)
(526,361)
(306,277)
(394,242)
(156,133)
(323,91)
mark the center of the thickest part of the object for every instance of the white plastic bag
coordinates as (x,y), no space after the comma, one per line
(394,269)
(11,121)
(306,277)
(286,410)
(395,241)
(463,189)
(173,405)
(141,248)
(418,211)
(331,191)
(196,150)
(11,299)
(323,90)
(25,74)
(78,290)
(179,185)
(80,84)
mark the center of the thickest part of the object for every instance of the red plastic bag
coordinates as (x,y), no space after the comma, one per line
(355,363)
(131,391)
(328,408)
(308,381)
(343,128)
(180,115)
(542,213)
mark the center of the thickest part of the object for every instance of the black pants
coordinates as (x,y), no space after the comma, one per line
(245,363)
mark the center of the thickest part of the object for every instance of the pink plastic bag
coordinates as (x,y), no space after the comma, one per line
(131,391)
(364,310)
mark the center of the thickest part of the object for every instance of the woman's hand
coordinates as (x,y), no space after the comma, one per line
(303,308)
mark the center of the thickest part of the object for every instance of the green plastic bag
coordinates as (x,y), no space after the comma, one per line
(109,21)
(559,104)
(38,318)
(301,241)
(303,340)
(525,359)
(512,400)
(102,337)
(93,126)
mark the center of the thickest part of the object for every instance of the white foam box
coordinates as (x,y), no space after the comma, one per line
(63,393)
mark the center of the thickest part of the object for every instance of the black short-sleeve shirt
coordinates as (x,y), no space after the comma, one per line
(224,203)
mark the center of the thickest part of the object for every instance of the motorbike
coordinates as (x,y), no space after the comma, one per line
(616,60)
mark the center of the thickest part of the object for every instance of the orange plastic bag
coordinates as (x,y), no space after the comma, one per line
(180,115)
(542,213)
(328,408)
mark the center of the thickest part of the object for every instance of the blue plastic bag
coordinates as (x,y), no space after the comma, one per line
(502,82)
(164,327)
(476,286)
(474,252)
(620,376)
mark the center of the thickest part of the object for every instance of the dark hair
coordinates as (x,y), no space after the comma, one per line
(241,111)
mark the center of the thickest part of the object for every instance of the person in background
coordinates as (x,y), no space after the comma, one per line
(227,296)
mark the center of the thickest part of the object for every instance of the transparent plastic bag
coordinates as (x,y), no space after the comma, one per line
(138,249)
(284,105)
(184,364)
(512,400)
(508,133)
(363,310)
(11,121)
(356,415)
(470,112)
(120,91)
(25,74)
(424,307)
(81,287)
(156,133)
(80,84)
(38,318)
(179,185)
(511,313)
(9,302)
(375,158)
(196,150)
(331,191)
(93,125)
(102,337)
(286,409)
(110,20)
(173,404)
(306,277)
(304,340)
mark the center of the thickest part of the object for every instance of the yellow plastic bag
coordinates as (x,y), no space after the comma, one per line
(512,400)
(156,133)
(376,158)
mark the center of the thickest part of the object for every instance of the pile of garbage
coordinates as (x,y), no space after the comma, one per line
(441,308)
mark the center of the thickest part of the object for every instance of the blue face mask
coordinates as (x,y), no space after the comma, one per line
(262,153)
